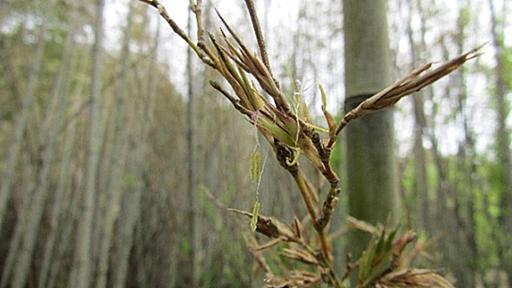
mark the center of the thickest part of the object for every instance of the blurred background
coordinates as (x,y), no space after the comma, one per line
(113,143)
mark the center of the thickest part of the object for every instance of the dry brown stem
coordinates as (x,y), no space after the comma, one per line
(413,82)
(257,31)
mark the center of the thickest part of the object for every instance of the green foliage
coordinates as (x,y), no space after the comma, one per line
(376,258)
(507,66)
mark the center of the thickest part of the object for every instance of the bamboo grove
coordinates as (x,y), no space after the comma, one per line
(229,143)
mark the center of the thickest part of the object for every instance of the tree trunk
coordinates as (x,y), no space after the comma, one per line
(420,165)
(119,155)
(127,223)
(138,168)
(59,197)
(83,256)
(8,173)
(65,247)
(451,221)
(502,133)
(467,159)
(120,273)
(35,212)
(371,171)
(188,268)
(18,232)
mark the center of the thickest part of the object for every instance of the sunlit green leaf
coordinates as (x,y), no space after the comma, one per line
(255,166)
(255,213)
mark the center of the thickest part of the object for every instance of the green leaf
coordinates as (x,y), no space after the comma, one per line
(275,130)
(365,264)
(391,237)
(255,213)
(380,242)
(255,166)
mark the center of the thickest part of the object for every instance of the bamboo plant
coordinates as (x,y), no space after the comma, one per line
(287,127)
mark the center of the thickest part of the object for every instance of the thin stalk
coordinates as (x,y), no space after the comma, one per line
(304,189)
(198,11)
(163,12)
(257,30)
(306,194)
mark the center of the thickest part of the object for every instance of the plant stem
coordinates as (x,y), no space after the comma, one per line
(257,30)
(306,194)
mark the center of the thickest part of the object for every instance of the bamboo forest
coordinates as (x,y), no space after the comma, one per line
(255,143)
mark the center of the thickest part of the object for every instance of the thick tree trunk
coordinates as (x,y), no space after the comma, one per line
(371,172)
(83,256)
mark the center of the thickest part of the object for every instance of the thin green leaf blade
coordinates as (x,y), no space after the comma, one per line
(255,213)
